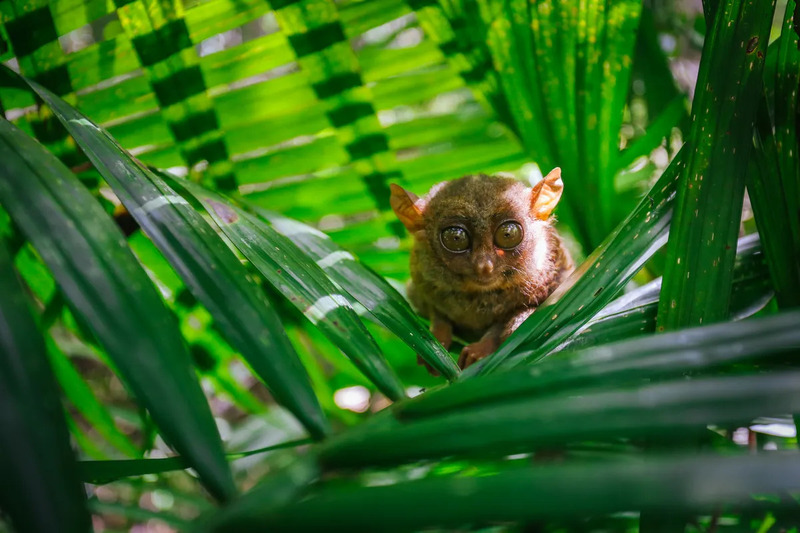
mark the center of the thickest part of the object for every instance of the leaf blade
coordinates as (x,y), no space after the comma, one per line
(368,288)
(98,273)
(41,490)
(630,361)
(676,407)
(703,233)
(660,484)
(634,314)
(303,283)
(197,252)
(774,178)
(101,472)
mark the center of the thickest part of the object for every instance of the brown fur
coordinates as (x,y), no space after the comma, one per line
(485,291)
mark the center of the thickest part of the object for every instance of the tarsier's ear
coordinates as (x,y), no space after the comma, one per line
(407,206)
(546,194)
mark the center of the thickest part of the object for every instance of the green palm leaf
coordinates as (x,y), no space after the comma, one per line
(635,313)
(303,283)
(532,419)
(41,490)
(701,249)
(219,281)
(369,289)
(774,182)
(523,493)
(695,350)
(100,276)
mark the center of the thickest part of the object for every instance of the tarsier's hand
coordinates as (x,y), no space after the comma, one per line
(472,353)
(492,339)
(442,330)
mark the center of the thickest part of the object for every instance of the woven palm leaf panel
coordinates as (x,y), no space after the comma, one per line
(305,107)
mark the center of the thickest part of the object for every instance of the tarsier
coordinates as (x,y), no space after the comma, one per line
(485,256)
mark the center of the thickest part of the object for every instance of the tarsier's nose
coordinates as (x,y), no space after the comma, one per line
(484,266)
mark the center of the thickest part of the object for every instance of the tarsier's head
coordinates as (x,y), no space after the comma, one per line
(482,232)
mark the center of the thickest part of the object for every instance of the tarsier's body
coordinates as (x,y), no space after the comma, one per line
(485,256)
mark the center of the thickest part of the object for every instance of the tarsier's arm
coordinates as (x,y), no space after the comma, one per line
(491,340)
(441,328)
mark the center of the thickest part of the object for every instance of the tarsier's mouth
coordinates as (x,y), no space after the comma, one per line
(485,285)
(492,282)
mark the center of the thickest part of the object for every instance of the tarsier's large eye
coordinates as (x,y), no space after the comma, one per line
(455,239)
(508,235)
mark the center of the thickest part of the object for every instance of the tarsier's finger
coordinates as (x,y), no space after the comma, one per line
(464,360)
(443,332)
(471,359)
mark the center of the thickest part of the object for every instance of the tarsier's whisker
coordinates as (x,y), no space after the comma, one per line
(485,255)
